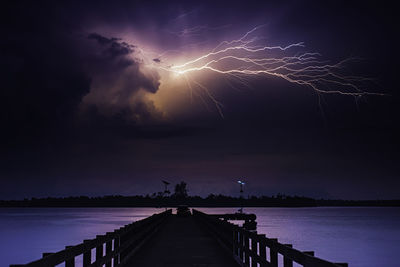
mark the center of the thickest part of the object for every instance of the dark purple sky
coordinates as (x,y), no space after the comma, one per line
(82,115)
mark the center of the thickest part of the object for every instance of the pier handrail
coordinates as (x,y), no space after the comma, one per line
(250,248)
(120,245)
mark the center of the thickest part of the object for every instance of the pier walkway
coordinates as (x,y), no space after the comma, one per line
(182,242)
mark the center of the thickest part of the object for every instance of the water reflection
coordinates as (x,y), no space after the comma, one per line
(28,232)
(361,236)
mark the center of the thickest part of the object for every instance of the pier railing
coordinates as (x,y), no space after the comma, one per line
(253,250)
(111,249)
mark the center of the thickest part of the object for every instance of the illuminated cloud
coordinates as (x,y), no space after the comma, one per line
(247,57)
(119,83)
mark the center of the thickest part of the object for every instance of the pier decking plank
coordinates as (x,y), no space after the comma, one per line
(182,242)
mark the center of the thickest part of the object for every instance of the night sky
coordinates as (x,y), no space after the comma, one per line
(91,104)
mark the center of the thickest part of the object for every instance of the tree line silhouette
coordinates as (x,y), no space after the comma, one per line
(180,196)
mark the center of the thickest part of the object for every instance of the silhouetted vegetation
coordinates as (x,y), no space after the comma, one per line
(180,191)
(180,196)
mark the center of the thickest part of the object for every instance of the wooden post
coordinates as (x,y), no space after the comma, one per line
(99,250)
(241,240)
(273,254)
(116,246)
(87,256)
(70,262)
(254,252)
(287,262)
(263,251)
(246,249)
(108,251)
(235,242)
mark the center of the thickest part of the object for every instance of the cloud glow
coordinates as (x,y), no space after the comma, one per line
(239,60)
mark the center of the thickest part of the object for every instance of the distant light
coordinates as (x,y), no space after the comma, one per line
(240,182)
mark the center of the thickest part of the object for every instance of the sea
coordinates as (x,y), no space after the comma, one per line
(360,236)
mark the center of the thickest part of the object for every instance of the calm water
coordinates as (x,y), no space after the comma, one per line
(361,236)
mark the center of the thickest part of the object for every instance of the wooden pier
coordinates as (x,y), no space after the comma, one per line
(169,240)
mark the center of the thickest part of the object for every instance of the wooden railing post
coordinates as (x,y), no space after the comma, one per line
(116,246)
(108,252)
(99,250)
(70,262)
(235,242)
(87,256)
(121,243)
(254,252)
(273,254)
(246,249)
(263,251)
(241,246)
(287,262)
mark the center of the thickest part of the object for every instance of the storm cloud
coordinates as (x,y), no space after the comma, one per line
(78,111)
(52,73)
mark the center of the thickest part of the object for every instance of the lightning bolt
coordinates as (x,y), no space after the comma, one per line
(244,57)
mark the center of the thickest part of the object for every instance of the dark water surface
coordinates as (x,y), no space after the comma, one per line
(360,236)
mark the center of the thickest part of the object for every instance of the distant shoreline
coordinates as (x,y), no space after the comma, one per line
(355,206)
(194,201)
